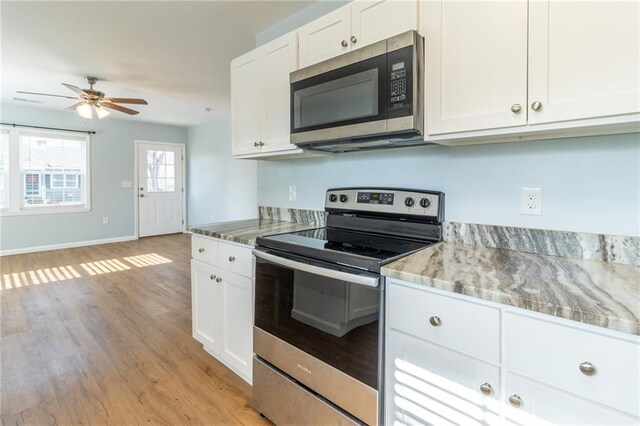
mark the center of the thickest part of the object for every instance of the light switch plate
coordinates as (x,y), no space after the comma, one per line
(293,193)
(125,184)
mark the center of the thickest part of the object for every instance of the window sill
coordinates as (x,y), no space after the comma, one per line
(45,210)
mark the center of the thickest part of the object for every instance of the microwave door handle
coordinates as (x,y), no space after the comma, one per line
(317,270)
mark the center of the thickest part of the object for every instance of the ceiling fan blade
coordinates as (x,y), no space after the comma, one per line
(74,106)
(78,90)
(44,94)
(119,108)
(126,101)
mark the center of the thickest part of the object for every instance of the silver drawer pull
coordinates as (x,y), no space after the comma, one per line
(218,280)
(536,106)
(344,43)
(201,250)
(435,321)
(232,259)
(515,401)
(587,369)
(212,277)
(486,389)
(516,108)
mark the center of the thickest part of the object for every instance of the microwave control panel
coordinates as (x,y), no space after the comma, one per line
(400,72)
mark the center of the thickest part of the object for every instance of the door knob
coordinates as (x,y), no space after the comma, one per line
(587,369)
(344,43)
(354,40)
(141,189)
(515,401)
(536,106)
(516,108)
(435,321)
(141,195)
(486,389)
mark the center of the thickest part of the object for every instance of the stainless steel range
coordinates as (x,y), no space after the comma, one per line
(319,305)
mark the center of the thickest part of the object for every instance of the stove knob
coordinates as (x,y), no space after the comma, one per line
(343,198)
(424,203)
(409,202)
(333,198)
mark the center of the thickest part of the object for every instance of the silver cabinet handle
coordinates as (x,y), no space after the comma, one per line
(486,389)
(354,40)
(587,369)
(516,108)
(256,144)
(260,143)
(536,106)
(212,277)
(435,321)
(232,259)
(344,43)
(515,401)
(201,250)
(218,280)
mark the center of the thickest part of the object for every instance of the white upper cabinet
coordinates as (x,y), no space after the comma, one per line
(476,64)
(325,37)
(372,21)
(245,108)
(583,59)
(355,25)
(260,112)
(278,59)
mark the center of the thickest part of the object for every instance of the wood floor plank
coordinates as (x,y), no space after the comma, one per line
(102,335)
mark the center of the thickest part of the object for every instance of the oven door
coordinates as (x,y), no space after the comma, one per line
(322,325)
(346,102)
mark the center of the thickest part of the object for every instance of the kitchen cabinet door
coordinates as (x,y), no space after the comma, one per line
(375,20)
(476,64)
(532,403)
(326,37)
(278,59)
(583,59)
(205,305)
(237,323)
(427,384)
(245,104)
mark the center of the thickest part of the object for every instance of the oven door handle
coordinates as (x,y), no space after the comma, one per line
(317,270)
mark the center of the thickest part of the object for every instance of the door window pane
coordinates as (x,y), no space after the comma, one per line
(4,172)
(160,171)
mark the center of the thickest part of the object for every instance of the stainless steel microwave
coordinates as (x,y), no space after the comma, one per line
(365,99)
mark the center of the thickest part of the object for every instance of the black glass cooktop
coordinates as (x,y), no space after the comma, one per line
(359,249)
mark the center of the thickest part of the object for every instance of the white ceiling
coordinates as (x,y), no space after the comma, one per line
(173,54)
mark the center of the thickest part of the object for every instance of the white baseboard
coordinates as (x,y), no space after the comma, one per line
(67,245)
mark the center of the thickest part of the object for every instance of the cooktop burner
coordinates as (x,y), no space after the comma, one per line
(364,250)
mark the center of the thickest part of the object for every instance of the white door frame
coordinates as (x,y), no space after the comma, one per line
(136,198)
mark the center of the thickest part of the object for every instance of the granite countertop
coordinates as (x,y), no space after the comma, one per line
(246,231)
(589,291)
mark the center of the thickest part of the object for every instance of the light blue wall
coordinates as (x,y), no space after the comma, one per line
(589,184)
(219,187)
(112,150)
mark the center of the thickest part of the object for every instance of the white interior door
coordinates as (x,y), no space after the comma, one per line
(160,189)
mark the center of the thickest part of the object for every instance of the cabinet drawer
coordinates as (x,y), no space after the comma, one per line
(204,249)
(553,354)
(426,383)
(464,326)
(546,405)
(235,258)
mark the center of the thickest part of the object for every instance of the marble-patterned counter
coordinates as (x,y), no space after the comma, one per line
(246,231)
(598,293)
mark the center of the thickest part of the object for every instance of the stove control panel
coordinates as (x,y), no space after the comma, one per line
(408,202)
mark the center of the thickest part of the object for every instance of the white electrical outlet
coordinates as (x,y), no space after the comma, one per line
(293,193)
(105,220)
(531,201)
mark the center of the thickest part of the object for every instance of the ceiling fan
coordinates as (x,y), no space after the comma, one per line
(94,100)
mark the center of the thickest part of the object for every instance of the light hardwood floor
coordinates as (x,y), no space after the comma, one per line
(102,335)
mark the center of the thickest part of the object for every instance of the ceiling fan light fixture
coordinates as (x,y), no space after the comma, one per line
(85,110)
(102,113)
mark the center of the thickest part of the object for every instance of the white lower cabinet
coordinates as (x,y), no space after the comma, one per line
(549,370)
(222,302)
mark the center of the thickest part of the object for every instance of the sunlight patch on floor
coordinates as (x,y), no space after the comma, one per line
(61,273)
